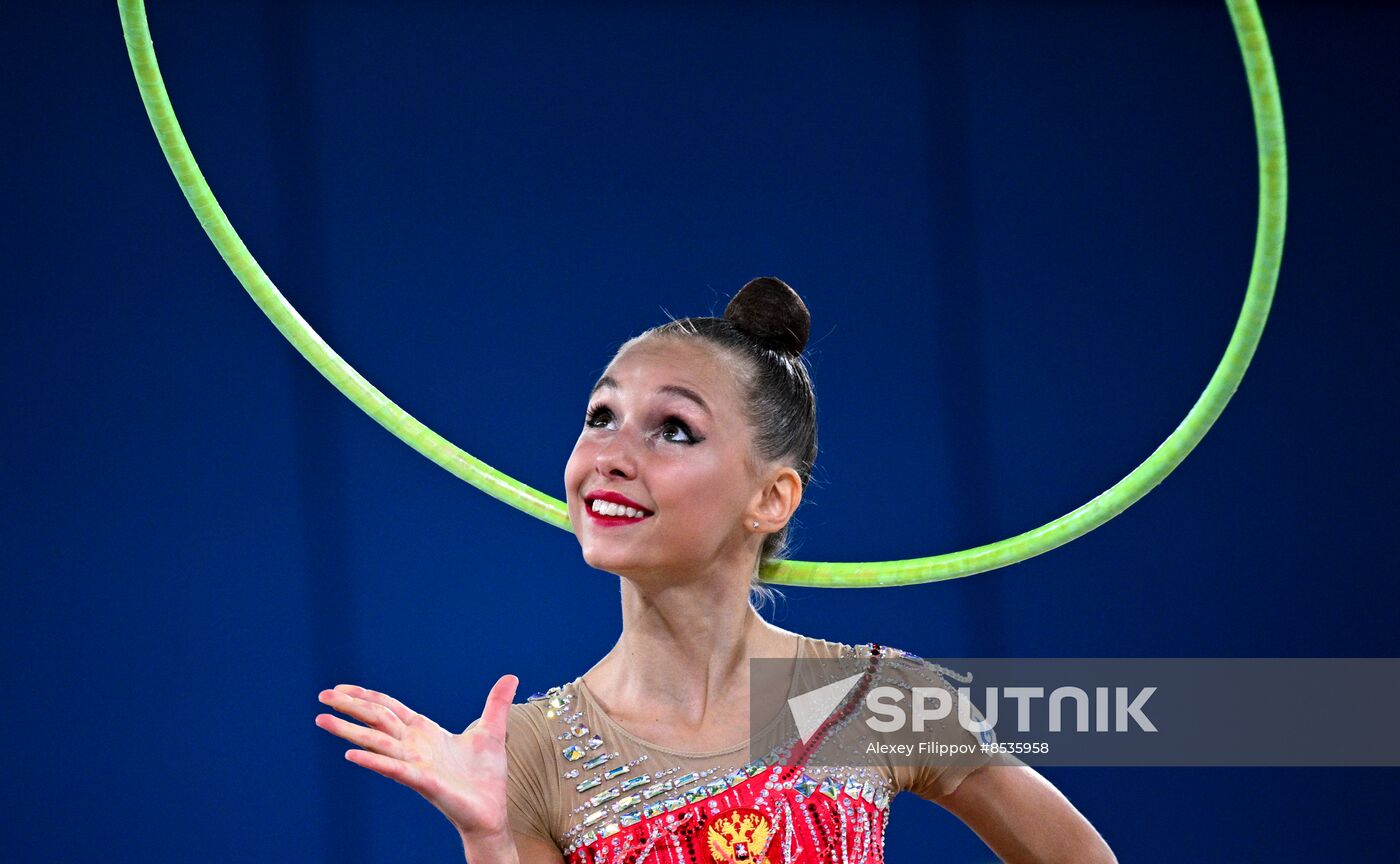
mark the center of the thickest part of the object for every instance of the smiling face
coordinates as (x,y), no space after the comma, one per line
(665,434)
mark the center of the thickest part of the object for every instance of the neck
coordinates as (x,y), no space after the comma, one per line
(684,651)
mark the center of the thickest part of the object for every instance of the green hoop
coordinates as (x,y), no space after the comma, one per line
(1268,252)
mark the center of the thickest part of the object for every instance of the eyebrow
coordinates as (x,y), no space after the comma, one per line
(607,381)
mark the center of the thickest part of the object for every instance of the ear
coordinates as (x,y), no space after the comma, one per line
(775,502)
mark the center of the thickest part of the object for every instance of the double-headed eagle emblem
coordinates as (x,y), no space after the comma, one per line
(740,835)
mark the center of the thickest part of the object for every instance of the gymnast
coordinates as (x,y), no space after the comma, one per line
(696,447)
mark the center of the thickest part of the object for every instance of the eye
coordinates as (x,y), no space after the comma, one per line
(596,413)
(600,415)
(679,425)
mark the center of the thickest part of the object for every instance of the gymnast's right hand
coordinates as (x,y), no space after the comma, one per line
(462,775)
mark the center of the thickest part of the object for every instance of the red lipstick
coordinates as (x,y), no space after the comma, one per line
(614,498)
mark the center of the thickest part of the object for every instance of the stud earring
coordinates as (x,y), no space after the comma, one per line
(755,524)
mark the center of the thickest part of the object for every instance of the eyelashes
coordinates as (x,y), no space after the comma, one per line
(601,412)
(594,413)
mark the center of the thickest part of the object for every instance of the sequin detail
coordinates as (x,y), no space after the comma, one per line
(767,811)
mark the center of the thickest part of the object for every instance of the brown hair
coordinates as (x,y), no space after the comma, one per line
(767,325)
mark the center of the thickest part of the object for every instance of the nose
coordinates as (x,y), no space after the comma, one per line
(617,457)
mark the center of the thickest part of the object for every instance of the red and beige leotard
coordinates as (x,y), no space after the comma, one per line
(605,796)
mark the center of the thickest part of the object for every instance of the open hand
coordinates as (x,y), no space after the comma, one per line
(463,775)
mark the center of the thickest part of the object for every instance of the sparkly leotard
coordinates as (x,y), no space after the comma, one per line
(604,796)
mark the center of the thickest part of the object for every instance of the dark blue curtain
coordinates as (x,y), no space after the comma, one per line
(1023,231)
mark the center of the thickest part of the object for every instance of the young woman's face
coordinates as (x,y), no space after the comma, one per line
(665,431)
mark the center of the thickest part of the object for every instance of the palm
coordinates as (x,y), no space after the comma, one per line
(463,775)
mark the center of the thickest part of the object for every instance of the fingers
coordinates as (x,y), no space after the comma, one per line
(400,772)
(375,714)
(403,712)
(493,716)
(370,739)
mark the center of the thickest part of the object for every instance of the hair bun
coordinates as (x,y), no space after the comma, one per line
(772,314)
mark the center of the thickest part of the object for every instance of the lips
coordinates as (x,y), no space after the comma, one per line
(605,521)
(613,498)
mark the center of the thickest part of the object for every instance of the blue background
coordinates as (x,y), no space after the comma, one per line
(1023,231)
